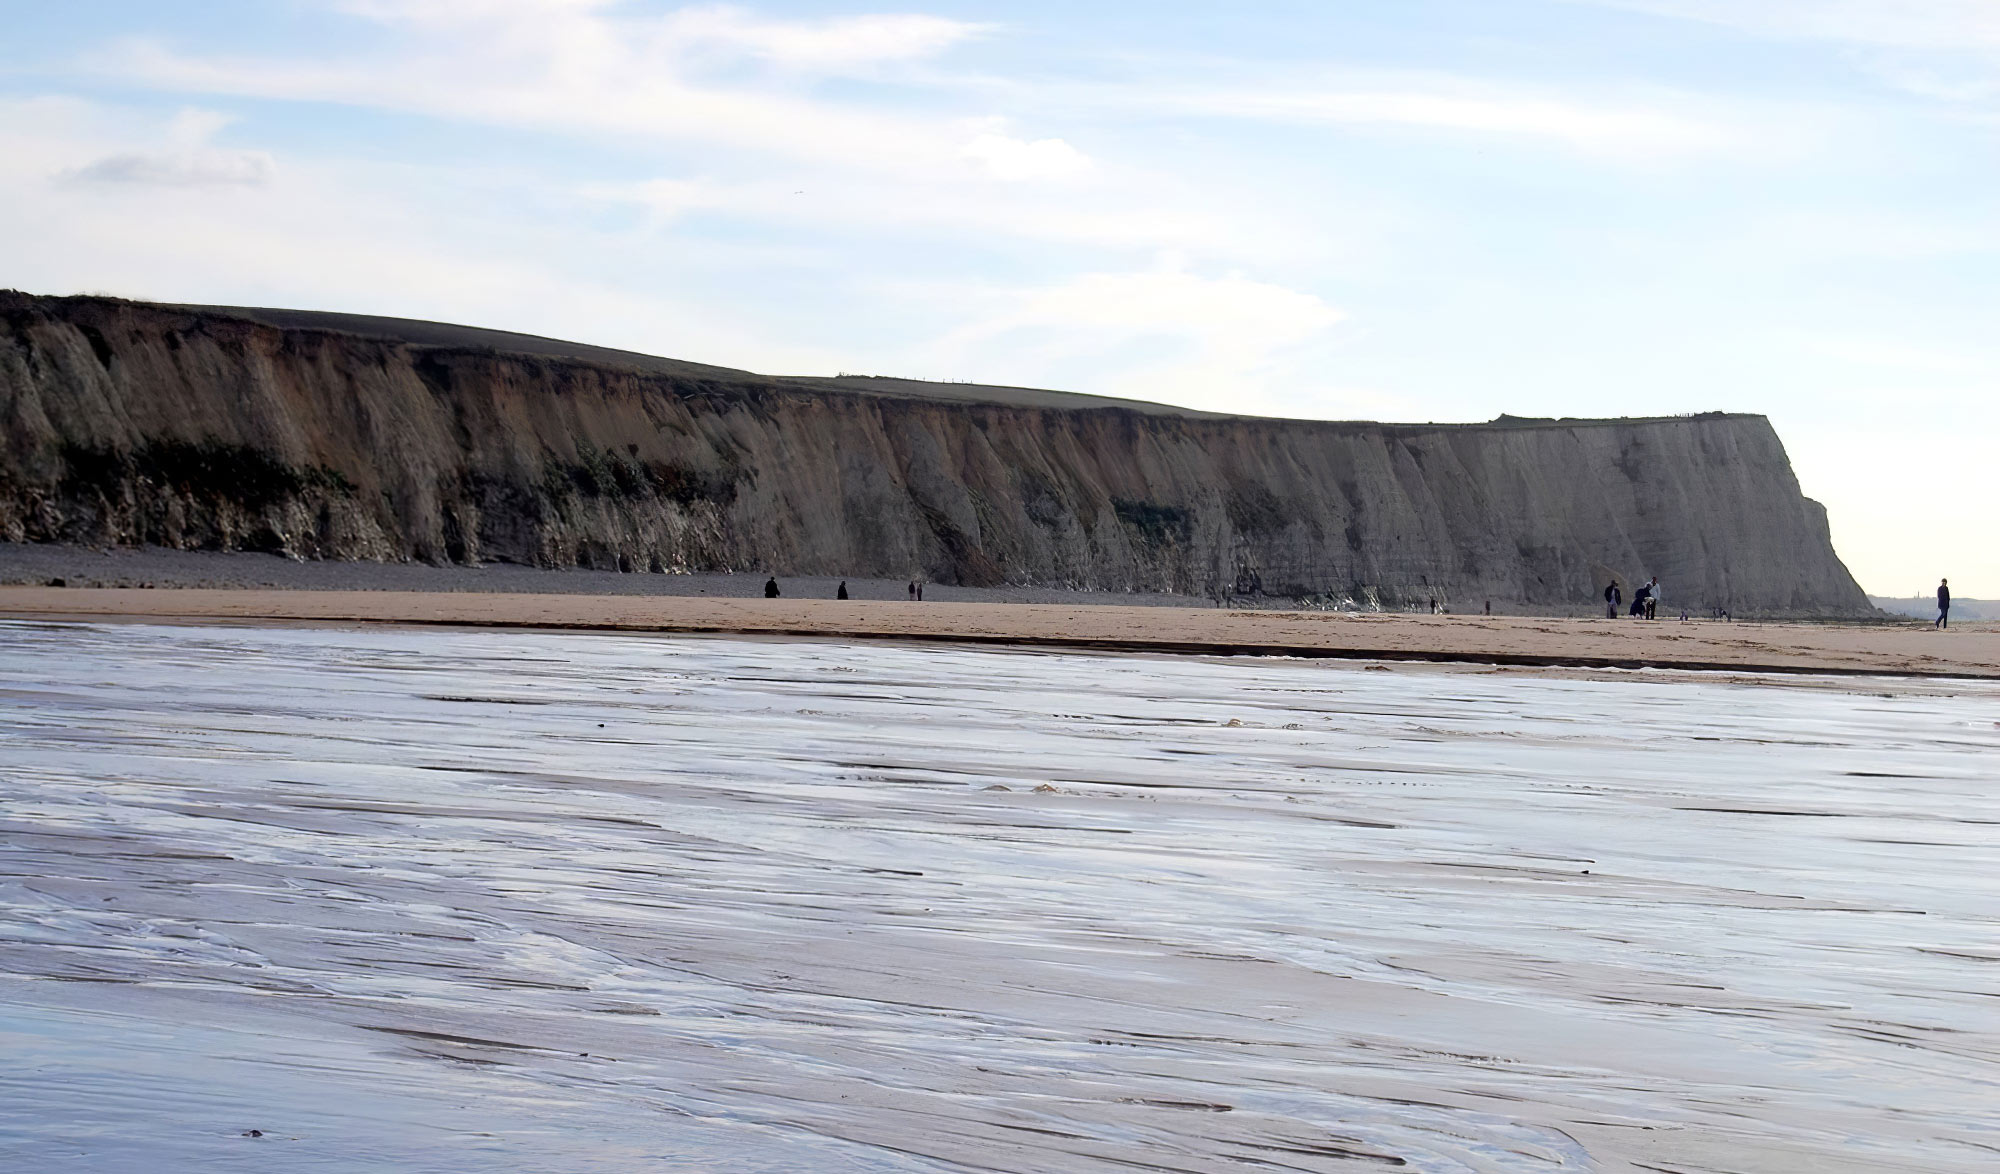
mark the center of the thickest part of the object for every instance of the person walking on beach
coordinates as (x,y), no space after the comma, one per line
(1612,598)
(913,591)
(771,587)
(1944,605)
(1653,599)
(842,593)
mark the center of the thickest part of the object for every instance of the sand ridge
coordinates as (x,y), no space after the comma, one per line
(1969,651)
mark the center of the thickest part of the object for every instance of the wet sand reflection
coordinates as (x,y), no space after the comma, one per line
(501,900)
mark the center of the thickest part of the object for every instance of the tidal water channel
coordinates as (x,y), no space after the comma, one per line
(440,900)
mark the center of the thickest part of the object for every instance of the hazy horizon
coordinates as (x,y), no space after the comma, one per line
(1437,211)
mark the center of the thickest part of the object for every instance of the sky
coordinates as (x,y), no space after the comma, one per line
(1423,210)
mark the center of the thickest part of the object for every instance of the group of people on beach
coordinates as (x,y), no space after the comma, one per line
(771,590)
(1645,601)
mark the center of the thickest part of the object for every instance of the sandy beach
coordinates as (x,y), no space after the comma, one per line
(42,564)
(1906,649)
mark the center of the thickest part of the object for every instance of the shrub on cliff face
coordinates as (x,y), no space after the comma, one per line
(210,470)
(600,474)
(1157,524)
(1253,509)
(185,494)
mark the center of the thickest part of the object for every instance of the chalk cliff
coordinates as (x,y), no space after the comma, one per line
(331,436)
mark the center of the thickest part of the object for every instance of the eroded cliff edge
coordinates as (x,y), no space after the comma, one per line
(133,423)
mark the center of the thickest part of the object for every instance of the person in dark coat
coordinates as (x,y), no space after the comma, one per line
(1944,604)
(771,587)
(1639,600)
(1612,598)
(842,593)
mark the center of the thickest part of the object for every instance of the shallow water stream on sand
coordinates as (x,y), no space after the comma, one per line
(479,901)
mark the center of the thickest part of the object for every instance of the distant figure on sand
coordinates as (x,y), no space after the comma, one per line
(1639,599)
(1653,599)
(913,589)
(771,587)
(1944,604)
(1612,598)
(842,593)
(1434,605)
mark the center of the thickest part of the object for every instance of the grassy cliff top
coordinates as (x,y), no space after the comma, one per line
(445,335)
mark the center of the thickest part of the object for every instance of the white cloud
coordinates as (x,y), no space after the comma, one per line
(1005,157)
(1598,127)
(1970,376)
(1124,211)
(1819,235)
(1219,343)
(1898,24)
(1627,120)
(1947,51)
(1227,313)
(372,238)
(193,129)
(739,91)
(831,45)
(741,83)
(1956,82)
(668,200)
(189,161)
(604,89)
(179,169)
(836,44)
(587,67)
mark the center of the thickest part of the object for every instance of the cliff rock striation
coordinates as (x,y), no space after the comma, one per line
(340,437)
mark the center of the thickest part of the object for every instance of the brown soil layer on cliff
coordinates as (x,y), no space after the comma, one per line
(1909,650)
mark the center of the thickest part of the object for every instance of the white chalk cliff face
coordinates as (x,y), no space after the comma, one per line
(325,436)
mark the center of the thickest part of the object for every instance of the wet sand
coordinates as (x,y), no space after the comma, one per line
(495,900)
(1910,649)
